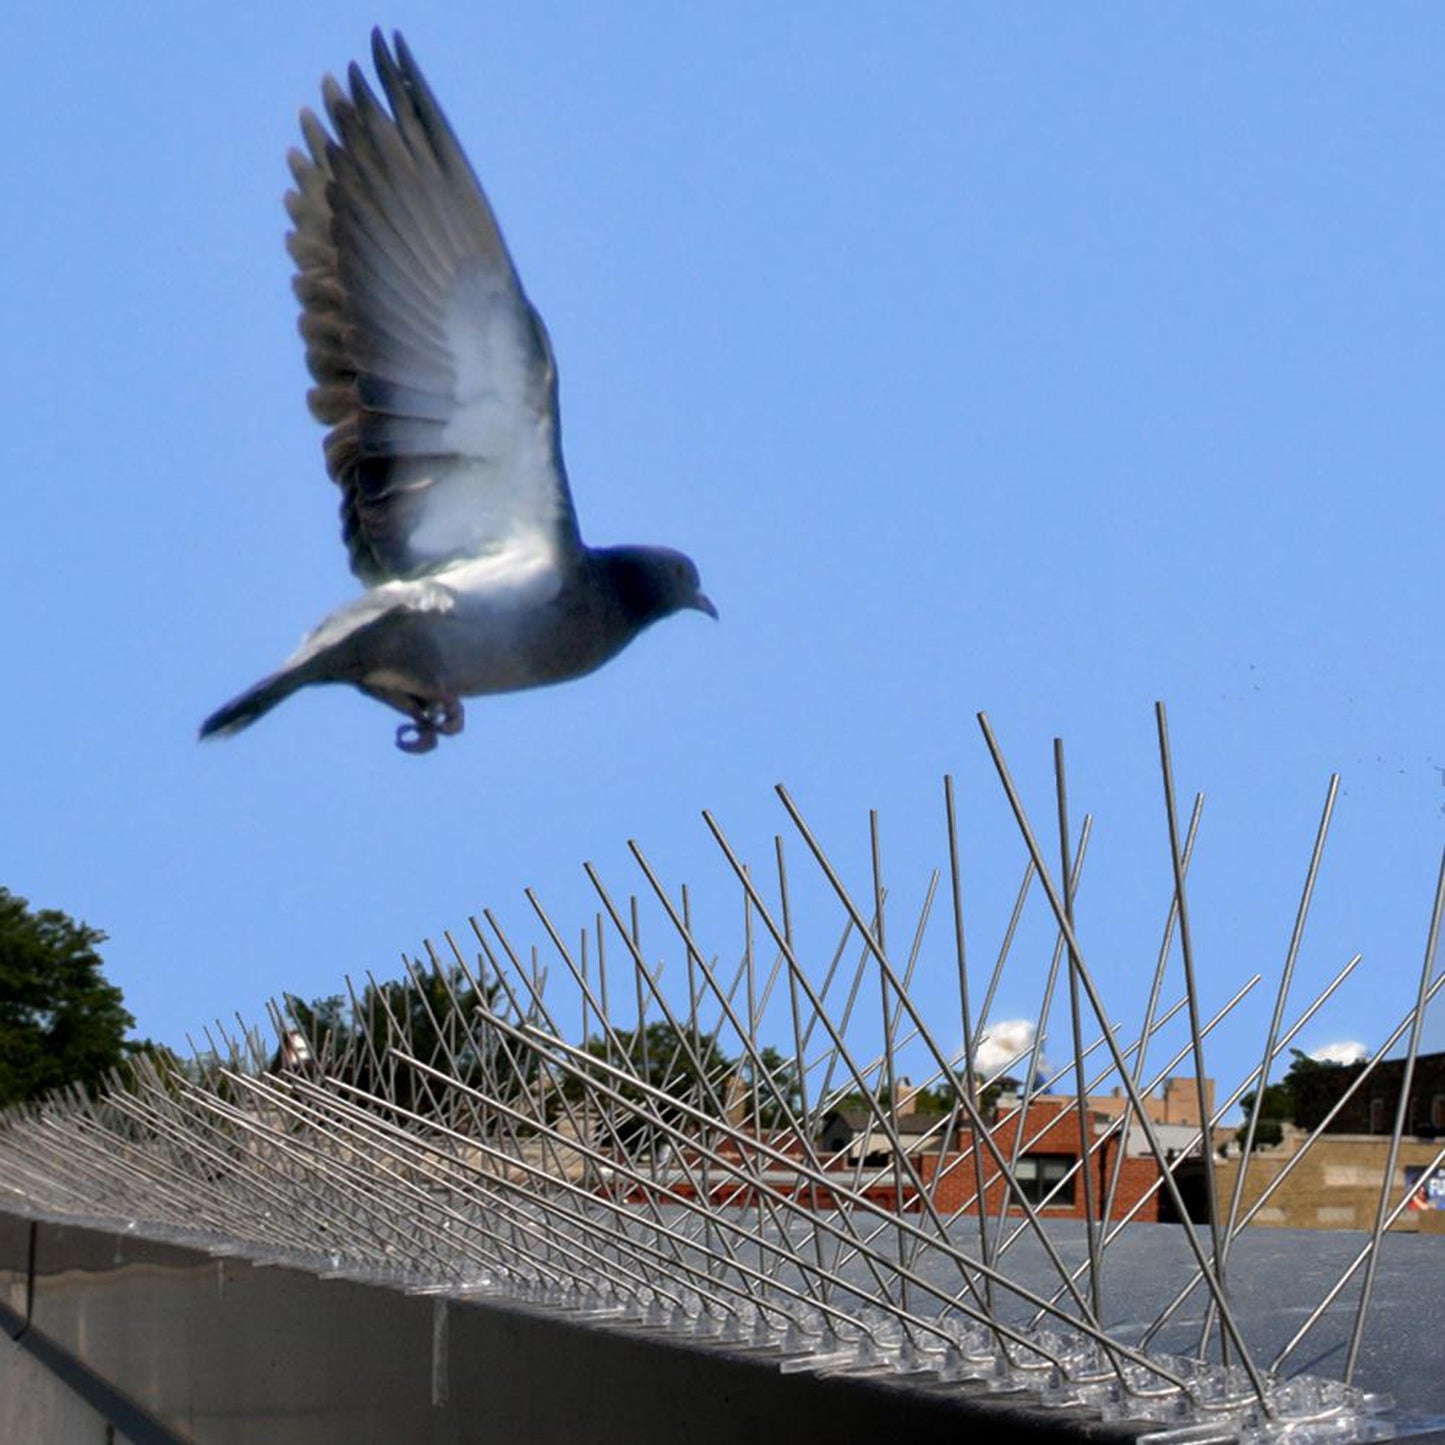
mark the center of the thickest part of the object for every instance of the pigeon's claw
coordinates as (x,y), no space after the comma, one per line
(444,719)
(447,716)
(416,737)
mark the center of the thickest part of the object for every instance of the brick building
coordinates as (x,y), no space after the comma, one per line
(1371,1109)
(1337,1184)
(1048,1143)
(1177,1102)
(1040,1147)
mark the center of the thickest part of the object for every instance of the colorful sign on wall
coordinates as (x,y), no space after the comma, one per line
(1426,1191)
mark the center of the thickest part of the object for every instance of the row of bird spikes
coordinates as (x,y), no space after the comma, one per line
(490,1125)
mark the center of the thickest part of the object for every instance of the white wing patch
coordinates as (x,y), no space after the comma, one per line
(505,485)
(426,595)
(493,356)
(519,578)
(510,579)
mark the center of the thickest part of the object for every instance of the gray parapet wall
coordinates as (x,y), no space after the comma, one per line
(170,1343)
(175,1344)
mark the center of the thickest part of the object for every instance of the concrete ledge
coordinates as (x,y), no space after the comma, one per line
(220,1350)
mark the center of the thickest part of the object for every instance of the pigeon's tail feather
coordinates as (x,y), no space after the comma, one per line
(242,711)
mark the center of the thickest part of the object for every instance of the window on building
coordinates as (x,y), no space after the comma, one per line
(1377,1115)
(1437,1113)
(1039,1174)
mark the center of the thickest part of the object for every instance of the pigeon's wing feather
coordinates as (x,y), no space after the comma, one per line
(432,369)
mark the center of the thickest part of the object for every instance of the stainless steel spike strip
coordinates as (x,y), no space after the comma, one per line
(625,1126)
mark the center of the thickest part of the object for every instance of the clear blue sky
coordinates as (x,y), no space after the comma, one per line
(1043,360)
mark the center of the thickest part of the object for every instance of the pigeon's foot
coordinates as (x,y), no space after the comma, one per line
(448,716)
(416,737)
(436,719)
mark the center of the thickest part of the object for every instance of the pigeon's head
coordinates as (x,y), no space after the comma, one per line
(654,582)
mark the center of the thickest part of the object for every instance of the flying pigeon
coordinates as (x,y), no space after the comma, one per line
(436,377)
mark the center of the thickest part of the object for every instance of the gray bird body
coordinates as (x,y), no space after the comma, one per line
(436,377)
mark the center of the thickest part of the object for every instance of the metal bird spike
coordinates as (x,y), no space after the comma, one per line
(719,1138)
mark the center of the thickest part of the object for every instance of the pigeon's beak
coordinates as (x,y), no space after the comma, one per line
(703,603)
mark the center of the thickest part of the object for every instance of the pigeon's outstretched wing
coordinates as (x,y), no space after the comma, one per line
(432,369)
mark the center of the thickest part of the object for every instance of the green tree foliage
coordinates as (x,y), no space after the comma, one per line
(60,1021)
(778,1096)
(686,1064)
(939,1099)
(1315,1086)
(325,1024)
(434,1017)
(1303,1097)
(430,1016)
(684,1072)
(1267,1133)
